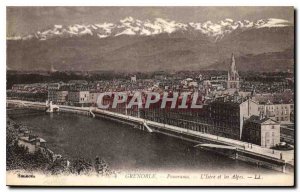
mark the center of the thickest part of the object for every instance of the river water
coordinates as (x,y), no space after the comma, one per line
(124,147)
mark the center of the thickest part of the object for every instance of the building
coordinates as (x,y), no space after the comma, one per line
(58,93)
(52,95)
(233,79)
(32,143)
(133,79)
(223,116)
(279,106)
(93,96)
(79,97)
(277,112)
(52,91)
(61,96)
(261,131)
(227,114)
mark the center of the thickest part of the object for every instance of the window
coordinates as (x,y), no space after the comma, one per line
(273,127)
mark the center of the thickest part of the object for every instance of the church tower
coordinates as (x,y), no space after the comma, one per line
(233,81)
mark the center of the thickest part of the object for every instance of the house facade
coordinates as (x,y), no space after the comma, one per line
(261,131)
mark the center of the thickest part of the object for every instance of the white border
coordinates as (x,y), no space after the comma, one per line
(151,3)
(4,3)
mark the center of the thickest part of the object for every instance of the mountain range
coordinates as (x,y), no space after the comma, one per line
(135,45)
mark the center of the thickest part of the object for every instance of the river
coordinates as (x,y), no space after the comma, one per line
(124,147)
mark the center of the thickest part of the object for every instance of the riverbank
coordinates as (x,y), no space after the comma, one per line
(24,153)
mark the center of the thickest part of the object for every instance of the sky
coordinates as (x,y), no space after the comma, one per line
(26,20)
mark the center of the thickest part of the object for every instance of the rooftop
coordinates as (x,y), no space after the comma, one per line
(258,120)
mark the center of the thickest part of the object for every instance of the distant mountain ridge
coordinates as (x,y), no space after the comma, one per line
(279,61)
(131,26)
(168,46)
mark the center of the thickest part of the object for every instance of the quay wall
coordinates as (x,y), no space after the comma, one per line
(74,111)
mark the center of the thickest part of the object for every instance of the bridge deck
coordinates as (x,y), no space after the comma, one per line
(209,145)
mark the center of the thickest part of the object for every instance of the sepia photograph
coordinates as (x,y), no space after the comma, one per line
(150,96)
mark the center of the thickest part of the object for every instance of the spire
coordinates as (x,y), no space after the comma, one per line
(232,63)
(233,76)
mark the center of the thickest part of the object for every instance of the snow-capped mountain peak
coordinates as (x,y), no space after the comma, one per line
(132,26)
(272,22)
(127,19)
